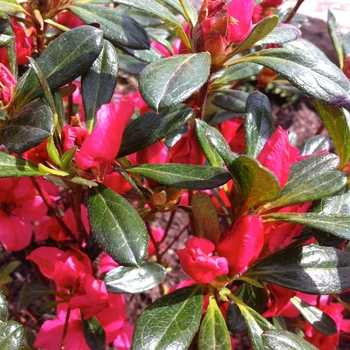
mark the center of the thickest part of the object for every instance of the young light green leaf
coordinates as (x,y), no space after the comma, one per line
(170,81)
(11,6)
(318,319)
(308,269)
(65,59)
(213,334)
(11,335)
(52,151)
(258,123)
(316,76)
(186,9)
(98,83)
(28,128)
(11,166)
(337,122)
(153,127)
(205,217)
(94,333)
(277,339)
(134,279)
(117,226)
(191,177)
(172,319)
(335,36)
(118,28)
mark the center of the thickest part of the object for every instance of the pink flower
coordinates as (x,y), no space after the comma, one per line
(7,86)
(158,234)
(100,148)
(234,134)
(20,205)
(242,243)
(198,260)
(278,155)
(279,299)
(116,182)
(69,20)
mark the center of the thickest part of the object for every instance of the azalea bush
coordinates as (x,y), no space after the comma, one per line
(112,113)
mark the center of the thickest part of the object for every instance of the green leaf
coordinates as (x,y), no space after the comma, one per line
(134,279)
(258,123)
(131,64)
(205,217)
(260,31)
(52,151)
(318,319)
(28,128)
(191,177)
(316,188)
(31,292)
(118,28)
(98,83)
(4,313)
(213,157)
(335,37)
(94,333)
(152,127)
(81,181)
(337,122)
(11,335)
(11,166)
(7,38)
(46,307)
(65,59)
(278,339)
(213,334)
(169,81)
(316,76)
(281,34)
(258,183)
(336,224)
(308,269)
(156,9)
(231,100)
(189,13)
(172,319)
(11,6)
(315,144)
(117,226)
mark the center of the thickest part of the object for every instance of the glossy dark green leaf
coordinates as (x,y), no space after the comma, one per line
(315,188)
(118,28)
(282,33)
(335,36)
(189,13)
(7,38)
(260,31)
(28,128)
(258,123)
(337,122)
(152,127)
(65,59)
(231,100)
(170,81)
(308,269)
(317,77)
(4,313)
(94,334)
(31,292)
(205,217)
(346,44)
(11,335)
(191,177)
(318,319)
(336,224)
(45,307)
(151,55)
(208,149)
(11,166)
(234,319)
(10,6)
(131,64)
(117,226)
(213,334)
(98,83)
(258,183)
(171,321)
(239,71)
(278,339)
(156,9)
(134,279)
(315,144)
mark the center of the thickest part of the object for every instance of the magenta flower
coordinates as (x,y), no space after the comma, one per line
(20,205)
(7,85)
(199,261)
(100,148)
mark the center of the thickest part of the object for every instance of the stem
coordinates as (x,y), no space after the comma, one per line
(155,243)
(203,93)
(187,15)
(168,225)
(294,11)
(65,329)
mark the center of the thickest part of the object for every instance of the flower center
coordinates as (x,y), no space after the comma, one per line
(8,208)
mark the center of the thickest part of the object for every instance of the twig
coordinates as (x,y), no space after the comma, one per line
(294,11)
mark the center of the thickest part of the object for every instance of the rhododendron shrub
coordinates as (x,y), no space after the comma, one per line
(104,131)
